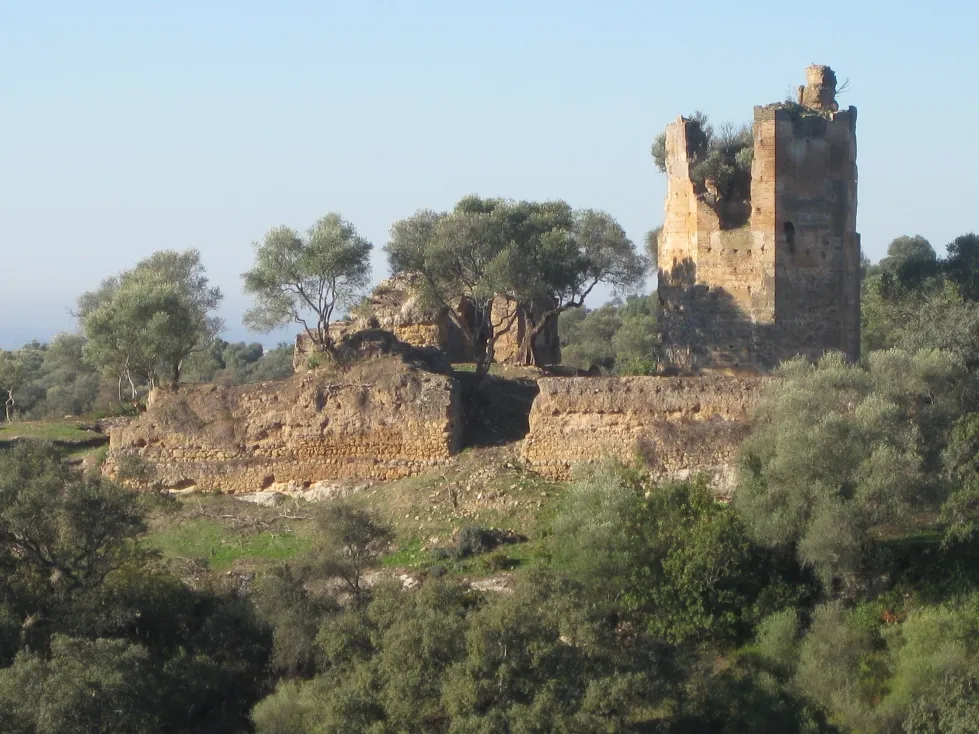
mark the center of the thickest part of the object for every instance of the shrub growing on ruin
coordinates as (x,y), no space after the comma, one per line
(720,165)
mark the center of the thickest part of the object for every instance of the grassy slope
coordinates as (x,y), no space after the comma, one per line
(483,487)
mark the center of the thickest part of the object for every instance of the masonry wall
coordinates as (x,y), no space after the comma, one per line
(380,420)
(817,272)
(788,281)
(678,425)
(716,284)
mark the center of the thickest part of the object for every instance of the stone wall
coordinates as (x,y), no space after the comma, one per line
(678,425)
(380,419)
(514,327)
(788,281)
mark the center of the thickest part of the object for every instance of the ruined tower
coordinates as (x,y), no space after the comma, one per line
(755,272)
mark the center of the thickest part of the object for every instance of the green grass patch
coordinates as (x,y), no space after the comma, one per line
(221,547)
(61,431)
(410,555)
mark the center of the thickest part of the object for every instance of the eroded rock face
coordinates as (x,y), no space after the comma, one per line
(679,426)
(397,305)
(379,419)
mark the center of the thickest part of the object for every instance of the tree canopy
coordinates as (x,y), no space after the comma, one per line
(542,258)
(305,279)
(147,321)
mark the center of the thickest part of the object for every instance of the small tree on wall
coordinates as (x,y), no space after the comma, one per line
(561,266)
(304,280)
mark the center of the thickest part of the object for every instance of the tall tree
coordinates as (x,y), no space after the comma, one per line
(149,320)
(295,276)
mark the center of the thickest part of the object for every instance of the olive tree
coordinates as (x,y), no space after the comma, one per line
(11,379)
(305,279)
(558,258)
(147,321)
(541,258)
(838,450)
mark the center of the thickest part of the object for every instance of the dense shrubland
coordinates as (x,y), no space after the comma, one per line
(620,337)
(839,591)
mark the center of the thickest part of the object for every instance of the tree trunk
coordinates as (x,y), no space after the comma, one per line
(527,352)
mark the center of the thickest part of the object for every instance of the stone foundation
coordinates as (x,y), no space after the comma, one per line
(677,426)
(378,420)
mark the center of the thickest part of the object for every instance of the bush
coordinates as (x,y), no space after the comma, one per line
(671,557)
(473,541)
(837,450)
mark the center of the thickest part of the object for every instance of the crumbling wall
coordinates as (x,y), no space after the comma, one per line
(513,326)
(380,419)
(715,285)
(677,425)
(788,283)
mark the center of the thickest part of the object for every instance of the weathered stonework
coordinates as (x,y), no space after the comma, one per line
(514,328)
(677,425)
(381,419)
(786,283)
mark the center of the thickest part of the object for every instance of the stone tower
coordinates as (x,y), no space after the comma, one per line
(773,271)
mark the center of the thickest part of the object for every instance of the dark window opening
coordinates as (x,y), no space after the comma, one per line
(790,235)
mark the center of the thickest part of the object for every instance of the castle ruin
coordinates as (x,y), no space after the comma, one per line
(751,291)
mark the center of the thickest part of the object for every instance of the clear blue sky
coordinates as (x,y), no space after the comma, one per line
(127,127)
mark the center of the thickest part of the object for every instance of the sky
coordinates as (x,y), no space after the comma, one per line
(129,127)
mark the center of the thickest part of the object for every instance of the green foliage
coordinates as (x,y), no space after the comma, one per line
(295,276)
(621,336)
(146,322)
(962,265)
(82,688)
(349,540)
(915,300)
(720,160)
(48,380)
(61,534)
(239,363)
(671,557)
(838,450)
(283,601)
(542,257)
(961,509)
(831,665)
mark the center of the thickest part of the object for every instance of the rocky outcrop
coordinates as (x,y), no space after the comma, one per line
(378,419)
(676,426)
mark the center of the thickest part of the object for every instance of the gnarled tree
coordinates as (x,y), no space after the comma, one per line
(542,258)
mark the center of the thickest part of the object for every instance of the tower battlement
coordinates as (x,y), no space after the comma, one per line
(754,281)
